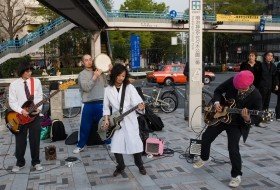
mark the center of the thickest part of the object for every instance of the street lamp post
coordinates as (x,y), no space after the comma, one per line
(214,39)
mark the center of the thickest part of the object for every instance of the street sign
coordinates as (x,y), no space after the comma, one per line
(174,41)
(173,14)
(262,24)
(135,51)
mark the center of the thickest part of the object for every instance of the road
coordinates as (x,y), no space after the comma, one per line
(220,77)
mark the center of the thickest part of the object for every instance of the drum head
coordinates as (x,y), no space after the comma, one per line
(102,62)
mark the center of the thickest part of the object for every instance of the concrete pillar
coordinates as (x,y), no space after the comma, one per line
(195,64)
(95,44)
(56,102)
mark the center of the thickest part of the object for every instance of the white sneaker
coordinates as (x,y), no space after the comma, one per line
(235,181)
(38,167)
(199,163)
(77,150)
(262,125)
(17,168)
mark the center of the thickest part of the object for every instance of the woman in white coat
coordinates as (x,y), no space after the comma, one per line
(127,139)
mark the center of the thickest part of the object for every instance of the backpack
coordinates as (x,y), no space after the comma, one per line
(154,121)
(57,131)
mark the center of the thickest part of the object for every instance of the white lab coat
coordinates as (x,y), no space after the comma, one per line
(127,139)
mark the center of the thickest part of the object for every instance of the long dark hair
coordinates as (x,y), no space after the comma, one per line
(117,70)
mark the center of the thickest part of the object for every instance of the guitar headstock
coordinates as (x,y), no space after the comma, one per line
(66,85)
(267,115)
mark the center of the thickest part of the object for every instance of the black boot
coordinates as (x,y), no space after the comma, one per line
(139,163)
(120,167)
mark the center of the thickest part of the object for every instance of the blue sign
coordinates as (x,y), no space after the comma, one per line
(173,14)
(135,51)
(262,25)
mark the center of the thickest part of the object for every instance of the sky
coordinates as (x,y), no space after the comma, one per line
(177,5)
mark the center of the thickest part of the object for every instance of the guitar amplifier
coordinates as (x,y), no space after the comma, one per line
(154,146)
(195,147)
(50,152)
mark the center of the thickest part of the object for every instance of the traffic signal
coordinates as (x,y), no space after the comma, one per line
(180,21)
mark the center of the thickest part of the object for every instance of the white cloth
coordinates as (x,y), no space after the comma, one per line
(17,96)
(127,139)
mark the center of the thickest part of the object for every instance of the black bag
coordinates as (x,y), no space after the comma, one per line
(57,131)
(154,121)
(94,138)
(72,139)
(143,129)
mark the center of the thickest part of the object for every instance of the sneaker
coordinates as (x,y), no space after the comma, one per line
(235,181)
(262,125)
(200,163)
(38,167)
(77,150)
(17,168)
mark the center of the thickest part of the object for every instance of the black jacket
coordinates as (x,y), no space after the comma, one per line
(253,102)
(268,78)
(256,70)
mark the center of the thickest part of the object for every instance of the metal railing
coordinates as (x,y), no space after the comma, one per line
(32,36)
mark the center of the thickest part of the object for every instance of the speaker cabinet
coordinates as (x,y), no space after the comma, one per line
(50,152)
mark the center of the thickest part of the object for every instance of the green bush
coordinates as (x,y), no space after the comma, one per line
(11,66)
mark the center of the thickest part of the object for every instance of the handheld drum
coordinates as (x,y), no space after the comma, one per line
(102,62)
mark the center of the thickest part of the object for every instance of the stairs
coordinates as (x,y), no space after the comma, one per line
(36,39)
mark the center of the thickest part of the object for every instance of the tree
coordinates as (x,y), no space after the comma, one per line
(12,16)
(120,39)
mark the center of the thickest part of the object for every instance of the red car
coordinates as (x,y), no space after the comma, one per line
(174,74)
(236,67)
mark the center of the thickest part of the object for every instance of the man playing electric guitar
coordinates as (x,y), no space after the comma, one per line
(247,97)
(22,90)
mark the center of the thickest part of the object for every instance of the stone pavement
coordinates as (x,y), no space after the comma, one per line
(261,163)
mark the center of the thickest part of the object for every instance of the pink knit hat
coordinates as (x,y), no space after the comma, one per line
(243,80)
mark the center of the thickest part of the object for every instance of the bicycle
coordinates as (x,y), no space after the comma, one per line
(166,104)
(175,92)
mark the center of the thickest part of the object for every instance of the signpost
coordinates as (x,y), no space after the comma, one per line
(195,64)
(135,51)
(173,14)
(262,24)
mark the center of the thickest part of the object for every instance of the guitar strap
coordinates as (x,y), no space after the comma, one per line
(32,86)
(122,98)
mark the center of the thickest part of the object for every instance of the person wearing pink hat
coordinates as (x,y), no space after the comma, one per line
(247,97)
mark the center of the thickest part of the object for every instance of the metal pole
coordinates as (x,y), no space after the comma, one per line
(187,40)
(214,39)
(182,39)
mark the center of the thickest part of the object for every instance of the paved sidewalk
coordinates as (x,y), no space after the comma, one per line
(261,163)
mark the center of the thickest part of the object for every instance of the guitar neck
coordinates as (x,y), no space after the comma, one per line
(238,111)
(127,112)
(33,108)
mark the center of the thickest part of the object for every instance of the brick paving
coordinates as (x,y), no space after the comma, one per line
(261,163)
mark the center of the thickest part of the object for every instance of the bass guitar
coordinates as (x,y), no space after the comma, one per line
(114,123)
(212,117)
(14,120)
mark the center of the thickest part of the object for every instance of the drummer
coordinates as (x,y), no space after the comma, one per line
(91,83)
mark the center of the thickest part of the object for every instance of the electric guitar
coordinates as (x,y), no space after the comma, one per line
(114,123)
(212,117)
(14,120)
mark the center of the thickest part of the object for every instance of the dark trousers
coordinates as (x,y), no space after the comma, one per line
(34,129)
(137,160)
(233,134)
(277,108)
(91,114)
(266,93)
